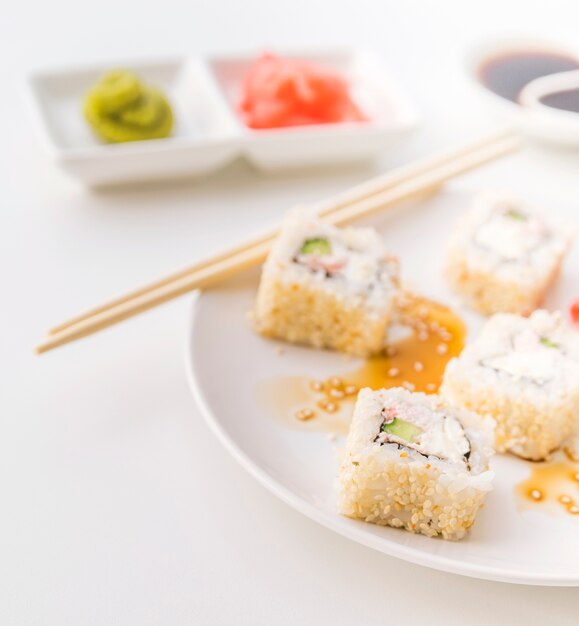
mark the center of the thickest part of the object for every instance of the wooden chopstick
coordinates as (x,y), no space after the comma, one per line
(367,189)
(245,256)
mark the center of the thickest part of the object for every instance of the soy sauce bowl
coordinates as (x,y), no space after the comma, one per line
(531,120)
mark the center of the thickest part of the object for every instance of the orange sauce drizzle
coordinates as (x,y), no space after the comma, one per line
(416,361)
(554,483)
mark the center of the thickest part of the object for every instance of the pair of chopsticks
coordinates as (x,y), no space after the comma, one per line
(422,177)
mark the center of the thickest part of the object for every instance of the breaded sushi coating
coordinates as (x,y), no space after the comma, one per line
(503,255)
(414,461)
(524,372)
(327,287)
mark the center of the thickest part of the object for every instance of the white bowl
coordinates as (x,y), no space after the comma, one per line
(560,123)
(208,132)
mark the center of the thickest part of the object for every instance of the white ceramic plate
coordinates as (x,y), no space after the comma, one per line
(227,362)
(208,133)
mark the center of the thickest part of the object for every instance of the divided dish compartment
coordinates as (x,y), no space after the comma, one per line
(390,113)
(203,137)
(208,132)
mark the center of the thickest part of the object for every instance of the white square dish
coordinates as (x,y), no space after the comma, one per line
(208,132)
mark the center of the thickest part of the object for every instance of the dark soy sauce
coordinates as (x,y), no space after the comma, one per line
(506,75)
(566,100)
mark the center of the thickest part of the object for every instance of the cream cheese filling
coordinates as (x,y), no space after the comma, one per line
(511,238)
(441,435)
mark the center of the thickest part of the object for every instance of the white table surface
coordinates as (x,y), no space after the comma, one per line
(118,504)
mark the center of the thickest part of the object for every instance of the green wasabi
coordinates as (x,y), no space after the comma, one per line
(120,108)
(402,429)
(318,245)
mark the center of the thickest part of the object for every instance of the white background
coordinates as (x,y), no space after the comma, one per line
(118,506)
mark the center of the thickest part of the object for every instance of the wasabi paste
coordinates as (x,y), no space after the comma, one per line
(121,108)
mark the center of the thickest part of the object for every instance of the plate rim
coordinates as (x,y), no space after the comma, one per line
(395,549)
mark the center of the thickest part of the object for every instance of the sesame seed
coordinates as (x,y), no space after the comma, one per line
(423,312)
(316,385)
(423,335)
(418,366)
(331,407)
(442,348)
(393,372)
(576,476)
(430,387)
(536,494)
(336,382)
(350,390)
(337,393)
(574,510)
(408,385)
(565,500)
(305,414)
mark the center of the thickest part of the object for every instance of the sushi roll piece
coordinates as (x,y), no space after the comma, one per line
(413,461)
(503,256)
(524,372)
(327,287)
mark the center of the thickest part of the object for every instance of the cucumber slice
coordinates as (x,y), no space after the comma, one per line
(549,343)
(402,429)
(516,215)
(318,245)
